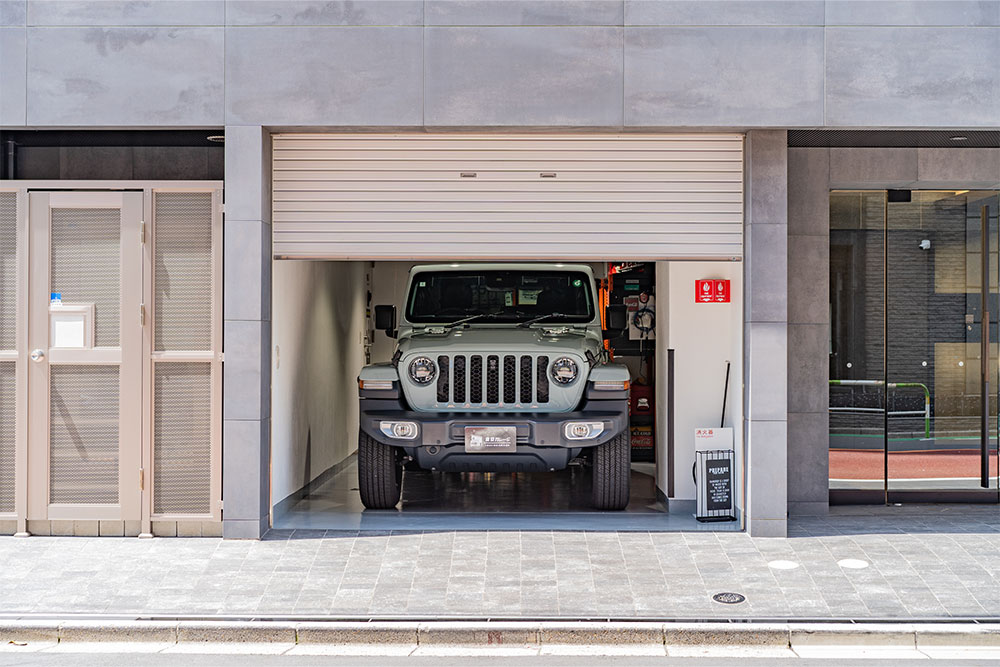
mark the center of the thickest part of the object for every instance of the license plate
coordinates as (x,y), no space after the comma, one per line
(490,439)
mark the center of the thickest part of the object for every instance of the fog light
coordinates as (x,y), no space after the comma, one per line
(399,430)
(583,430)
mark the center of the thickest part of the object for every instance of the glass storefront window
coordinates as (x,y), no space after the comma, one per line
(906,360)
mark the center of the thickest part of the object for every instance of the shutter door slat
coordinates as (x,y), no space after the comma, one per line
(638,197)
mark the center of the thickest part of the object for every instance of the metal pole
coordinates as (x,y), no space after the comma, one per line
(885,346)
(984,433)
(725,395)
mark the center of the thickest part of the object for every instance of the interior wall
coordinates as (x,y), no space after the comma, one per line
(388,287)
(318,316)
(704,337)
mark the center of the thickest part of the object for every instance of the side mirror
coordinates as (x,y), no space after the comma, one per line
(385,320)
(615,321)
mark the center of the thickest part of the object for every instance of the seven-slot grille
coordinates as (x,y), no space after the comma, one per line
(493,379)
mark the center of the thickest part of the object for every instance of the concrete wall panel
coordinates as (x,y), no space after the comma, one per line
(125,76)
(247,282)
(13,12)
(523,76)
(723,12)
(809,279)
(913,76)
(323,12)
(705,76)
(323,76)
(809,179)
(808,463)
(959,167)
(808,375)
(13,108)
(125,12)
(913,12)
(524,12)
(860,167)
(247,369)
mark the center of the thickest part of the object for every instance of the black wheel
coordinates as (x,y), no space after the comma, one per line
(612,472)
(380,473)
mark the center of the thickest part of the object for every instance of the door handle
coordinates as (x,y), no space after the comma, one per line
(37,355)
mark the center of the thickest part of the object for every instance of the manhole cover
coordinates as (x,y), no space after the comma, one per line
(729,598)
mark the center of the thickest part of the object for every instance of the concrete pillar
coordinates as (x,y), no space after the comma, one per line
(247,333)
(808,331)
(765,313)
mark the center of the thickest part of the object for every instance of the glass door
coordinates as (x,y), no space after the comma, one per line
(940,337)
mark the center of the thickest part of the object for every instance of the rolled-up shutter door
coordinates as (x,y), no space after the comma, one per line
(583,197)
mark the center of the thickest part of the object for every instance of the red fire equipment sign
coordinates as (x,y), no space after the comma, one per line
(711,291)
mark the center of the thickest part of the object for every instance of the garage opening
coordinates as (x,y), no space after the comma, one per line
(525,380)
(500,369)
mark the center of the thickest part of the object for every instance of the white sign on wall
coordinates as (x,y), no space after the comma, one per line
(709,438)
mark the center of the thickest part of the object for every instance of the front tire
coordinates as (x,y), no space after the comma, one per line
(612,472)
(380,473)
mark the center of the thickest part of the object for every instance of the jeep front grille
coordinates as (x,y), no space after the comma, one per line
(507,380)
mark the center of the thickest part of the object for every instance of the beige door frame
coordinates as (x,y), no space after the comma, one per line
(150,358)
(127,356)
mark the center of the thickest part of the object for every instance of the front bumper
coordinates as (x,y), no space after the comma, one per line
(536,429)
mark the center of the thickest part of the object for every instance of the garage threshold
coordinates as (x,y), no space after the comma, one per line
(553,501)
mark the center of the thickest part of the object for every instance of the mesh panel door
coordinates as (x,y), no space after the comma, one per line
(8,436)
(83,436)
(182,435)
(86,265)
(8,343)
(8,270)
(183,311)
(183,273)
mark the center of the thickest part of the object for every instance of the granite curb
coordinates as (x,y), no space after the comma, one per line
(777,635)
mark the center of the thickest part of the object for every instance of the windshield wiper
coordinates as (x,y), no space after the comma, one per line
(472,318)
(528,323)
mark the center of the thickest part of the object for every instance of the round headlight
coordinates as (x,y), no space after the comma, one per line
(564,370)
(422,370)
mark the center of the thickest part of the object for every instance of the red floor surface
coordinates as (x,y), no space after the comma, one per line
(853,464)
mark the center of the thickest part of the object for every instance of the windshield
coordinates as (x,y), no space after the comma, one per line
(505,296)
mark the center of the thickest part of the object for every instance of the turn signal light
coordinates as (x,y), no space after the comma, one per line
(611,385)
(375,384)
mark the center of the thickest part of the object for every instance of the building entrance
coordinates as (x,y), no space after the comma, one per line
(913,359)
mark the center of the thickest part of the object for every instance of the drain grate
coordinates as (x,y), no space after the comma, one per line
(729,598)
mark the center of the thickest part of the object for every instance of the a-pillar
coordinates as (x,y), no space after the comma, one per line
(765,274)
(247,333)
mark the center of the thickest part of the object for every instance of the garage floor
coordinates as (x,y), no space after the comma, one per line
(488,501)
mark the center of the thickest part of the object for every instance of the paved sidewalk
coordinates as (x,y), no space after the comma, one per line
(882,563)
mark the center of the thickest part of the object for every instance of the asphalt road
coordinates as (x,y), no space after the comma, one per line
(156,660)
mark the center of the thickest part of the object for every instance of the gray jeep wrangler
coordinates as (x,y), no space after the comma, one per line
(497,368)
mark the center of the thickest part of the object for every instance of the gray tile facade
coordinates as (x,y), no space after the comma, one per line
(323,12)
(765,331)
(247,333)
(106,76)
(470,63)
(323,76)
(723,76)
(912,76)
(523,76)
